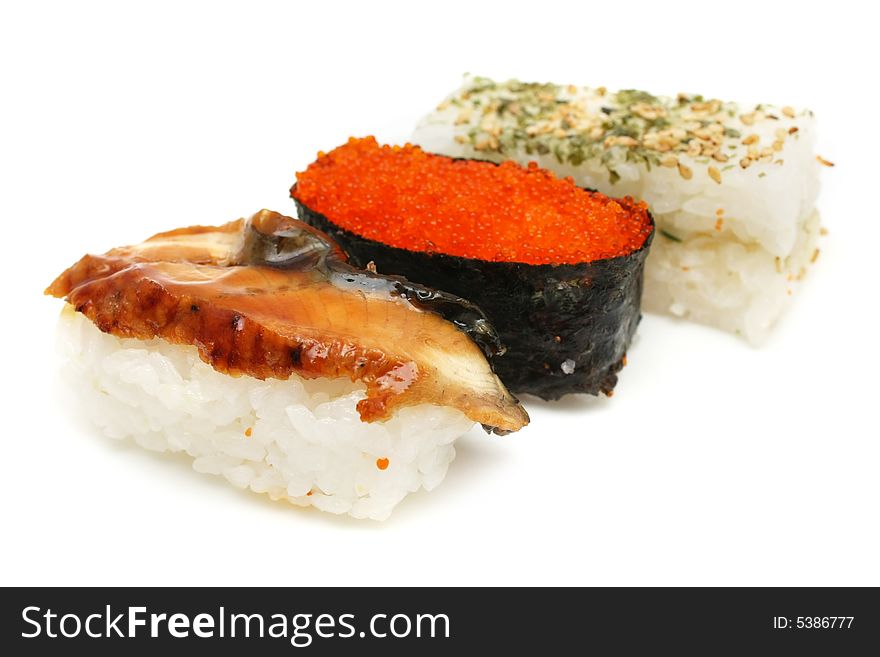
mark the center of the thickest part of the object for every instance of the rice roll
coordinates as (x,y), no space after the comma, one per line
(732,187)
(258,350)
(557,269)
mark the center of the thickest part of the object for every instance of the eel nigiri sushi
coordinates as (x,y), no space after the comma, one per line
(557,269)
(731,186)
(258,350)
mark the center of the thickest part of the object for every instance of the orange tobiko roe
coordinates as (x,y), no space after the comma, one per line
(404,197)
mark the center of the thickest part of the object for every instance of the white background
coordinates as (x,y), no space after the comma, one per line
(714,463)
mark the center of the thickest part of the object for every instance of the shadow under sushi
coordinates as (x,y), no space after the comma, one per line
(572,403)
(475,457)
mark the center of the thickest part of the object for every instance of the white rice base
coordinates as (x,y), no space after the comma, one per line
(306,434)
(724,282)
(728,278)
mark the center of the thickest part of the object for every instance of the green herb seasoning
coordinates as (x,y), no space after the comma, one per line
(580,124)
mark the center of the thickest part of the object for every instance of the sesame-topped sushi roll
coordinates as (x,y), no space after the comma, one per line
(732,187)
(556,268)
(255,348)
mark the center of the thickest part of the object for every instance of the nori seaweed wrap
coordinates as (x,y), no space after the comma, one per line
(564,297)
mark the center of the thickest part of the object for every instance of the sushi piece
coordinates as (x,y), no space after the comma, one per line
(258,350)
(732,187)
(557,269)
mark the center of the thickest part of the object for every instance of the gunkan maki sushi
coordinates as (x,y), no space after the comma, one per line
(556,268)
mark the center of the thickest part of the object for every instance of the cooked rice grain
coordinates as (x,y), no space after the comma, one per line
(300,440)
